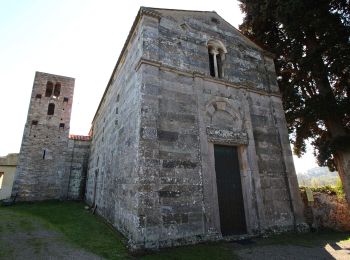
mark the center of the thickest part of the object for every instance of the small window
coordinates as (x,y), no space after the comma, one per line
(51,109)
(116,110)
(35,122)
(65,99)
(44,154)
(49,88)
(118,98)
(57,90)
(215,20)
(61,126)
(38,96)
(1,178)
(184,27)
(216,51)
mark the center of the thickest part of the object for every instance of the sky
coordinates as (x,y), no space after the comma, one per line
(75,38)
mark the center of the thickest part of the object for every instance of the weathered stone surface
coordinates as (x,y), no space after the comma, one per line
(8,165)
(42,170)
(151,166)
(327,211)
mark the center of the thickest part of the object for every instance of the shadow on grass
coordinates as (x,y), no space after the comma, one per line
(311,239)
(201,251)
(78,226)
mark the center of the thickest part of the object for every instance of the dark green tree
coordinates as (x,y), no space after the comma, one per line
(311,41)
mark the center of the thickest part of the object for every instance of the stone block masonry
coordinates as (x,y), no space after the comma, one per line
(187,81)
(189,142)
(42,170)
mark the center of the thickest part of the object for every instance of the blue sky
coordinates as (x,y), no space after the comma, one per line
(76,38)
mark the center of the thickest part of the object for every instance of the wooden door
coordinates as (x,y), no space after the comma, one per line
(229,189)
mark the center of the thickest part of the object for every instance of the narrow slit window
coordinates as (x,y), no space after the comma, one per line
(51,109)
(118,98)
(57,90)
(49,89)
(116,110)
(44,154)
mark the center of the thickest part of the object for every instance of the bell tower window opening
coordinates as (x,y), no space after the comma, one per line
(49,89)
(51,109)
(57,89)
(216,51)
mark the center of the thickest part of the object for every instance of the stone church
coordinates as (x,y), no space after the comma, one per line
(189,142)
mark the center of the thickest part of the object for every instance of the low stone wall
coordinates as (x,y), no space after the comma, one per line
(327,211)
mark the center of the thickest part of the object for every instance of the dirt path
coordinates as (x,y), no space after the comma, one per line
(27,238)
(269,252)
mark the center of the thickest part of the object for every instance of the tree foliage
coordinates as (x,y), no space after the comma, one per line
(311,41)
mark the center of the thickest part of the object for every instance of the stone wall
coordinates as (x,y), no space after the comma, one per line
(8,165)
(79,147)
(327,211)
(112,183)
(152,169)
(42,171)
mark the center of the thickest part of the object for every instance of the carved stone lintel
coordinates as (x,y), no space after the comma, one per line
(223,136)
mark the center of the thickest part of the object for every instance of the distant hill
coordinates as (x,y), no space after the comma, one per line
(318,176)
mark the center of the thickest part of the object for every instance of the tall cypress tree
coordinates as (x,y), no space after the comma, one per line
(311,41)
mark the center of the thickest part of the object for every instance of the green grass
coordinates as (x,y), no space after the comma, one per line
(84,230)
(201,252)
(78,226)
(329,189)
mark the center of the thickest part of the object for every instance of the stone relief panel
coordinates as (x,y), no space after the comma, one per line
(224,124)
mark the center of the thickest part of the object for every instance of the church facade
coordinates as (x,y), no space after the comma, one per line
(189,142)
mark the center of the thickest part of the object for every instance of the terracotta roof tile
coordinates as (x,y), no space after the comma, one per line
(80,137)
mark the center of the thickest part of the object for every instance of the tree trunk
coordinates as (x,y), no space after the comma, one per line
(332,120)
(342,161)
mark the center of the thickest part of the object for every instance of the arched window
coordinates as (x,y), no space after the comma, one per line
(51,109)
(49,88)
(216,52)
(57,90)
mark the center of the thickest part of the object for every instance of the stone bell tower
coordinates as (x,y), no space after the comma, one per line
(42,171)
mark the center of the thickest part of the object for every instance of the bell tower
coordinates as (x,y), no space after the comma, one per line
(42,171)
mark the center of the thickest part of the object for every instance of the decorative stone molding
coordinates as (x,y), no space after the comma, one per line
(223,136)
(202,75)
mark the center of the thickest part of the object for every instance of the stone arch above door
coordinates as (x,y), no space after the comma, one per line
(222,115)
(224,123)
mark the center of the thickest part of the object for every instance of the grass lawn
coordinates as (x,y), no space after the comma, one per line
(81,229)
